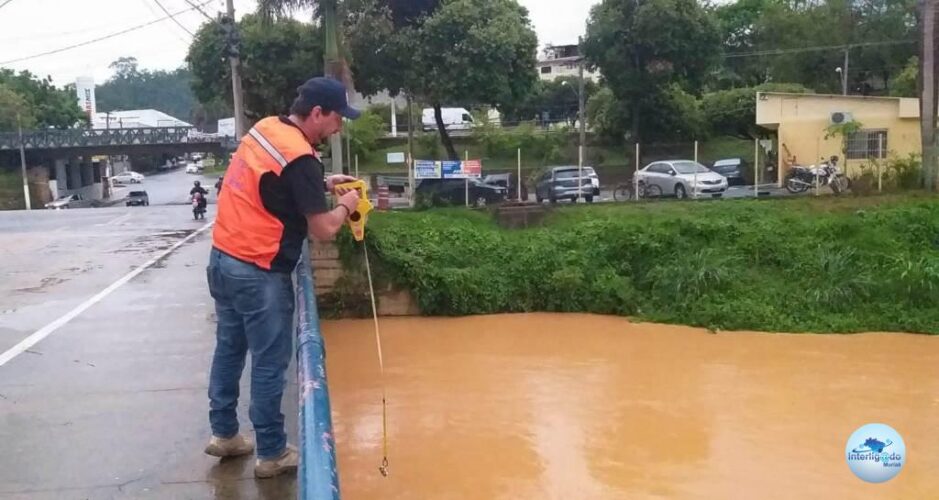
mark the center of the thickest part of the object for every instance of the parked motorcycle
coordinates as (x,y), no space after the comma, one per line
(826,173)
(198,206)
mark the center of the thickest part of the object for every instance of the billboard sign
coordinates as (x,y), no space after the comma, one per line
(426,169)
(85,90)
(429,169)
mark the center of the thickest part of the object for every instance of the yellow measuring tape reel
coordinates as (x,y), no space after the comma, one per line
(357,220)
(359,217)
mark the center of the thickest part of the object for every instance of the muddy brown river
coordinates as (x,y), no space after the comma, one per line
(547,406)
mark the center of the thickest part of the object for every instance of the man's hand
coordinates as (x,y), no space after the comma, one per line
(349,199)
(333,180)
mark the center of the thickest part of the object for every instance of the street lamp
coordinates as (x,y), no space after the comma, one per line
(567,83)
(844,80)
(581,150)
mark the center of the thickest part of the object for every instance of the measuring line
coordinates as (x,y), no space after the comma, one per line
(47,330)
(381,369)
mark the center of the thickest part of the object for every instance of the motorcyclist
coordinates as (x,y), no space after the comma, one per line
(198,189)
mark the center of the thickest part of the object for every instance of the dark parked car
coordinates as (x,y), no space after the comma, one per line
(736,170)
(453,192)
(137,198)
(564,182)
(509,182)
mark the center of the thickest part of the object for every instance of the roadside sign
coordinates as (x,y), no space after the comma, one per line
(469,169)
(473,168)
(426,169)
(452,169)
(395,158)
(429,169)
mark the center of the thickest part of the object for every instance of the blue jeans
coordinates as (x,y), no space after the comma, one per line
(255,313)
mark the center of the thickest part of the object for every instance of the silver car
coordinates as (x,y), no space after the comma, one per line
(681,179)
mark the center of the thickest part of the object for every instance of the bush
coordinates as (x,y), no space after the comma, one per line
(364,134)
(899,174)
(428,146)
(906,173)
(824,265)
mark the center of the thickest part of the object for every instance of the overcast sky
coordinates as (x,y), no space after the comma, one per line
(30,27)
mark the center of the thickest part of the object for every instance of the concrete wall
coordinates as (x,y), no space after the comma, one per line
(328,272)
(801,120)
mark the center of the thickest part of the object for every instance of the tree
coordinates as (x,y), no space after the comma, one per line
(470,52)
(737,22)
(277,57)
(13,105)
(803,42)
(125,68)
(49,105)
(733,112)
(605,116)
(905,83)
(643,47)
(557,98)
(364,134)
(132,88)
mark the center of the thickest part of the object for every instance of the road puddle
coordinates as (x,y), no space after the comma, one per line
(548,406)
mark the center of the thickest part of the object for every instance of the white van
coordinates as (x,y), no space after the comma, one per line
(453,119)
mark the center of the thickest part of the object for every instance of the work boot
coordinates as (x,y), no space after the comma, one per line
(287,462)
(234,446)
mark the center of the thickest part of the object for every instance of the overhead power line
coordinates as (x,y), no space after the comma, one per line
(172,16)
(199,8)
(3,4)
(774,52)
(99,39)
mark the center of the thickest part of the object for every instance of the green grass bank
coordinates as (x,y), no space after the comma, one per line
(785,265)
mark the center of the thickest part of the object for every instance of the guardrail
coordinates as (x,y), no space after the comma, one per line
(317,474)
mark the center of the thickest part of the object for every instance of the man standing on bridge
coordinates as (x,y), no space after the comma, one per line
(274,198)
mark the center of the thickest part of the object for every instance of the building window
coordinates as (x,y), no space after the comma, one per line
(546,70)
(867,144)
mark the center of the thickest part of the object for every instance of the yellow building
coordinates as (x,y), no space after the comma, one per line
(889,127)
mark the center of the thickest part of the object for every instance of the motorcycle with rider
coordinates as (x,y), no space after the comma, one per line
(199,197)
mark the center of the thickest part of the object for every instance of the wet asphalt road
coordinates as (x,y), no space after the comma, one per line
(113,403)
(169,188)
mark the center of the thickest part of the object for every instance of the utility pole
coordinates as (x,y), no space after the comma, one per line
(844,76)
(928,98)
(235,62)
(411,186)
(394,119)
(583,120)
(334,69)
(19,127)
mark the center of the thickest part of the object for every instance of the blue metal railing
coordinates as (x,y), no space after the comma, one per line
(319,479)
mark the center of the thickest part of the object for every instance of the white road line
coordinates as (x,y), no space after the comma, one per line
(47,330)
(118,219)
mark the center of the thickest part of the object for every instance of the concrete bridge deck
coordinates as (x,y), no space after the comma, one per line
(112,404)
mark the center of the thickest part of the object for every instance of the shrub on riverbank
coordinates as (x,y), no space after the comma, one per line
(822,265)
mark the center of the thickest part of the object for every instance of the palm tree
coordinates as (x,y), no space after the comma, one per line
(326,10)
(335,65)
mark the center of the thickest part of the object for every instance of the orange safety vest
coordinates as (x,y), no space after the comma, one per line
(244,229)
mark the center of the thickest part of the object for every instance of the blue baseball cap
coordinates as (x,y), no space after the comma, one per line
(327,93)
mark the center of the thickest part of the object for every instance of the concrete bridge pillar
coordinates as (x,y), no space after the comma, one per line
(74,174)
